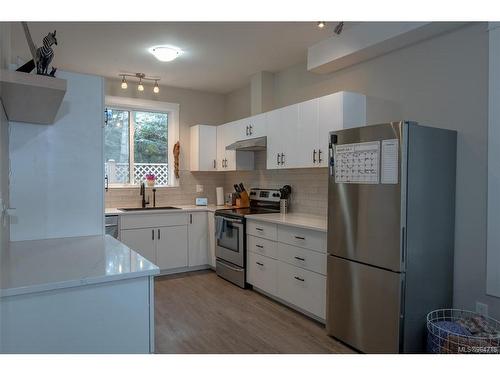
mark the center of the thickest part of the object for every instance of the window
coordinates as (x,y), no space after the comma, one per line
(136,143)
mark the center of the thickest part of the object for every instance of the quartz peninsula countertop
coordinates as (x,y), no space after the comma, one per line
(43,265)
(298,220)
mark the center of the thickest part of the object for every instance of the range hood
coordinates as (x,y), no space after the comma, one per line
(254,144)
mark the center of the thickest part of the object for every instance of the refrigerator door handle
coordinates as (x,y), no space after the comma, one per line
(403,246)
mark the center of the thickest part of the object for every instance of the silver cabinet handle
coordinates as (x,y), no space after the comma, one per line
(282,159)
(319,156)
(153,234)
(300,238)
(314,156)
(298,278)
(215,164)
(278,159)
(250,129)
(247,131)
(299,258)
(259,246)
(159,234)
(259,263)
(190,218)
(259,229)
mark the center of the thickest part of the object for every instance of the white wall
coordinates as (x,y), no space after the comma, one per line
(493,259)
(4,137)
(57,172)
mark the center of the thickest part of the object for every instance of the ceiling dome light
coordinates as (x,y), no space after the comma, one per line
(124,83)
(321,24)
(156,88)
(165,53)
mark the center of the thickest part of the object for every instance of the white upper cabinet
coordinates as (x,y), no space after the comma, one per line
(342,110)
(253,127)
(308,134)
(297,135)
(203,153)
(282,140)
(230,160)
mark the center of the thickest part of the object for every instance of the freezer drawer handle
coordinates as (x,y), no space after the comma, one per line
(299,258)
(300,238)
(259,229)
(298,278)
(259,263)
(259,246)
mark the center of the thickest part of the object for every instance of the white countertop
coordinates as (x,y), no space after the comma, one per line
(306,221)
(41,265)
(182,208)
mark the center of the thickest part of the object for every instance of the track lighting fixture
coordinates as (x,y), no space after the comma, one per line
(140,85)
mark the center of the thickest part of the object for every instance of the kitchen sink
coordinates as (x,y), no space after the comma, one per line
(149,208)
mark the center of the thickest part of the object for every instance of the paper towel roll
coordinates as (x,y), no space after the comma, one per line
(219,191)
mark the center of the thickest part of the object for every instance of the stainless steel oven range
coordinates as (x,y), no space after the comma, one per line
(230,249)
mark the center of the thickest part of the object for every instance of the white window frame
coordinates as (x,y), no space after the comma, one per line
(172,110)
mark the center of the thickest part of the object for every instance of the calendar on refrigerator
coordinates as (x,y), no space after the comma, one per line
(357,163)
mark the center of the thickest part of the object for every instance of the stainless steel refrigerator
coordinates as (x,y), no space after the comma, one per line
(391,220)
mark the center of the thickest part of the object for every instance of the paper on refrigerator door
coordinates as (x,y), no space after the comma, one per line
(390,161)
(357,163)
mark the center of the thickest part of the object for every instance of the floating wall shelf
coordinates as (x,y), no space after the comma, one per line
(31,98)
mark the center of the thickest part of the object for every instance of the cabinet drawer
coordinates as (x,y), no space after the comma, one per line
(303,258)
(307,238)
(152,220)
(262,246)
(302,288)
(262,272)
(263,230)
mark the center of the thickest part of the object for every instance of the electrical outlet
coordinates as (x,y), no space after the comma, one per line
(482,308)
(199,188)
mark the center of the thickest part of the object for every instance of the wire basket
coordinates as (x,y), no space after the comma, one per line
(453,331)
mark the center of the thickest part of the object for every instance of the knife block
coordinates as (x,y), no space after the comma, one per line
(243,201)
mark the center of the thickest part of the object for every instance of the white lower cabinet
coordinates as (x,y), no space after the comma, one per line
(198,239)
(211,239)
(262,272)
(172,247)
(302,288)
(142,241)
(290,273)
(171,241)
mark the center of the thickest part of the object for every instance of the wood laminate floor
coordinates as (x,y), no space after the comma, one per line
(199,312)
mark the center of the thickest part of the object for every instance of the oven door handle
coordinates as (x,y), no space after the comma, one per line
(232,220)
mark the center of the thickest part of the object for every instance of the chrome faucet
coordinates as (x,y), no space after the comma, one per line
(143,194)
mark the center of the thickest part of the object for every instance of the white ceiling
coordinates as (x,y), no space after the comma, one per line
(218,57)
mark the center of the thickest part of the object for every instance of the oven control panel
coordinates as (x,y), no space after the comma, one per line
(266,195)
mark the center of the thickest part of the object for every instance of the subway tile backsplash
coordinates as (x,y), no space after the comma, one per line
(184,194)
(309,188)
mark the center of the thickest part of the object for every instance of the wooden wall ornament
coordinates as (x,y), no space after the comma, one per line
(177,150)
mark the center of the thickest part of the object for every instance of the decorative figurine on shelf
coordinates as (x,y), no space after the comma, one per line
(177,150)
(45,54)
(42,56)
(150,179)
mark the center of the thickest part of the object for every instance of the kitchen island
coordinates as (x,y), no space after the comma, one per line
(76,295)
